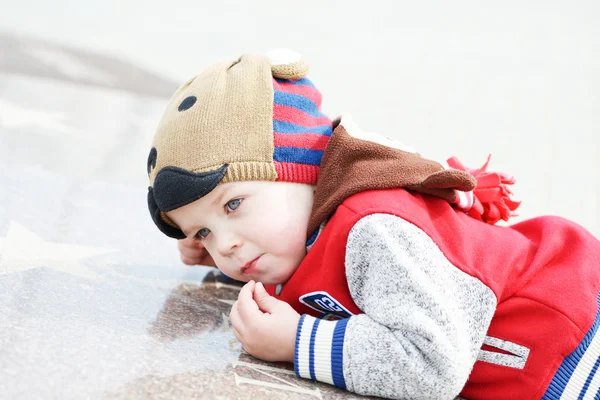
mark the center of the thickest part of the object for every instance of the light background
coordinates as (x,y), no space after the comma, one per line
(518,79)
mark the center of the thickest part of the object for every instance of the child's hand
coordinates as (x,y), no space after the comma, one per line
(193,252)
(265,326)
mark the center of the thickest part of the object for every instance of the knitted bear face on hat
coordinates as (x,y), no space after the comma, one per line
(256,118)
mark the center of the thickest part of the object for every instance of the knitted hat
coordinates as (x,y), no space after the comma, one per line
(256,118)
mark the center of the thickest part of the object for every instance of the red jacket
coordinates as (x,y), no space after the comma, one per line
(544,273)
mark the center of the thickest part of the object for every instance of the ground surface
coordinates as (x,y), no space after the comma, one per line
(94,301)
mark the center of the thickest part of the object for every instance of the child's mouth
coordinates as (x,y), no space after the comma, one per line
(251,266)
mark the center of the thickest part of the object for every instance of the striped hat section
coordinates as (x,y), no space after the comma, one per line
(300,130)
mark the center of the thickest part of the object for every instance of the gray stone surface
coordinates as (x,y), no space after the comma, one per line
(94,302)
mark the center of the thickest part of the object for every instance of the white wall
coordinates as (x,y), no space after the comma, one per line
(519,79)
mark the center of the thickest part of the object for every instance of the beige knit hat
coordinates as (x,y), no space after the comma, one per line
(256,118)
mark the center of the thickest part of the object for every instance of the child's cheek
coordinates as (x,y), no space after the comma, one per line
(209,246)
(291,239)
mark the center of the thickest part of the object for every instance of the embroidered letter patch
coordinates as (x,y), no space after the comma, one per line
(324,303)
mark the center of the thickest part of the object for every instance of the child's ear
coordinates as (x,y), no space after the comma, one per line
(287,64)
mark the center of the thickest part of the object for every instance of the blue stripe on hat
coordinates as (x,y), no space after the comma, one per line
(298,155)
(300,102)
(301,82)
(287,127)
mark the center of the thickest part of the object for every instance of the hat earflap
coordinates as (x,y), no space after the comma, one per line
(287,64)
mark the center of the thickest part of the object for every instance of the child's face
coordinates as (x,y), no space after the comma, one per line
(253,230)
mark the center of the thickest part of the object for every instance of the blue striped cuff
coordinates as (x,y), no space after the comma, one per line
(319,353)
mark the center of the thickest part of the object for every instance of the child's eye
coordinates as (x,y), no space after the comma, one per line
(232,205)
(202,233)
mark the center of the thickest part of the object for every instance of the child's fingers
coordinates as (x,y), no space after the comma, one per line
(189,243)
(236,321)
(265,302)
(247,290)
(238,336)
(208,260)
(247,307)
(190,261)
(204,260)
(192,253)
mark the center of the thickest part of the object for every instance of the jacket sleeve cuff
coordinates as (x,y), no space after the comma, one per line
(319,351)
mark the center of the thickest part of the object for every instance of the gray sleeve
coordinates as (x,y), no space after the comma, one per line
(423,325)
(425,320)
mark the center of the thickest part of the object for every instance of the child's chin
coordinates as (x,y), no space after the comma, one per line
(268,281)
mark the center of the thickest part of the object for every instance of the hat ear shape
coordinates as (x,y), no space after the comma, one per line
(287,64)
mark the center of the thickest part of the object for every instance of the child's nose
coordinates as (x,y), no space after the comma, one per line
(227,243)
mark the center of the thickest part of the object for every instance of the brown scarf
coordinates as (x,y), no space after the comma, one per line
(352,165)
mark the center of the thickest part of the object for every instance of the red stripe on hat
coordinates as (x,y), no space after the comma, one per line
(300,140)
(307,91)
(298,173)
(297,117)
